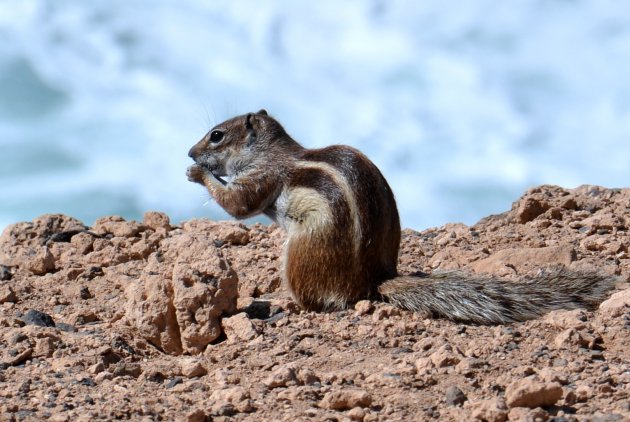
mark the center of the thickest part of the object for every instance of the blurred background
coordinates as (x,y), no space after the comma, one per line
(463,105)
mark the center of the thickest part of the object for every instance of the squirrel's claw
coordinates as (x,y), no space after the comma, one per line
(195,173)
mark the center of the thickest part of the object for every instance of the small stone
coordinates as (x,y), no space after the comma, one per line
(505,261)
(122,369)
(617,303)
(518,413)
(5,273)
(173,382)
(531,393)
(549,375)
(105,375)
(197,415)
(66,327)
(239,327)
(116,226)
(492,410)
(87,381)
(84,293)
(82,242)
(385,311)
(84,317)
(345,399)
(97,368)
(530,209)
(44,346)
(356,414)
(363,307)
(446,356)
(233,398)
(306,376)
(424,366)
(562,319)
(570,398)
(569,338)
(18,338)
(7,294)
(281,377)
(21,357)
(41,319)
(454,396)
(469,366)
(192,367)
(41,263)
(583,392)
(236,234)
(156,220)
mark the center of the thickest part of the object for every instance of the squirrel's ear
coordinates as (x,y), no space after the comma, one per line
(262,112)
(249,124)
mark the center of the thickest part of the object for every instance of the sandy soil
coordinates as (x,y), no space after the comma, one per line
(153,321)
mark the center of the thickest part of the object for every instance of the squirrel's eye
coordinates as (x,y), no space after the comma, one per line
(216,136)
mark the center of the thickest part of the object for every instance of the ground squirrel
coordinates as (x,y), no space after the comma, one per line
(344,232)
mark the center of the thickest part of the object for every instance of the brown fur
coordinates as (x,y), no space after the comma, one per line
(344,232)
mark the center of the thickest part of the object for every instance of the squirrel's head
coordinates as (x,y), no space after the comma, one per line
(232,146)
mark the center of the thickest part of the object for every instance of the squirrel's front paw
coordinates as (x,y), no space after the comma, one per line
(195,173)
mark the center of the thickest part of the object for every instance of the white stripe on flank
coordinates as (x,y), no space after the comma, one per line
(348,193)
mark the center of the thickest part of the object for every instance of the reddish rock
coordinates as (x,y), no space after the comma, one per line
(281,377)
(531,393)
(523,259)
(224,232)
(156,220)
(529,208)
(446,356)
(239,327)
(491,410)
(617,304)
(192,367)
(7,294)
(575,318)
(116,226)
(346,399)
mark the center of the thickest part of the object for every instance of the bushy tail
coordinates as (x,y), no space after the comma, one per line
(478,299)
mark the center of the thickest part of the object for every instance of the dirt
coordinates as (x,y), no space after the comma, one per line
(153,321)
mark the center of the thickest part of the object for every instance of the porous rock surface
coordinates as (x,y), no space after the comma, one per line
(154,321)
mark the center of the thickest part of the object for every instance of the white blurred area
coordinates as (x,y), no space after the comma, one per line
(462,105)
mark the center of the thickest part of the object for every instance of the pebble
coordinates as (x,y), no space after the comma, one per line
(7,294)
(105,375)
(41,319)
(122,369)
(173,382)
(529,392)
(492,410)
(445,356)
(454,396)
(5,273)
(156,220)
(197,415)
(21,357)
(192,367)
(363,307)
(346,399)
(239,327)
(356,414)
(281,377)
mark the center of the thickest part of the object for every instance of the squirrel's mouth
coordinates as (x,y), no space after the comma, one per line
(217,170)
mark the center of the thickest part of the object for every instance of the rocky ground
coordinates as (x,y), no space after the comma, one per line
(153,321)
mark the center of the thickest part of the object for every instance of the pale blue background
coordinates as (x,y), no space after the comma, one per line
(463,104)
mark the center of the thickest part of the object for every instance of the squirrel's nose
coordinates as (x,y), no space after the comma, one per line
(192,152)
